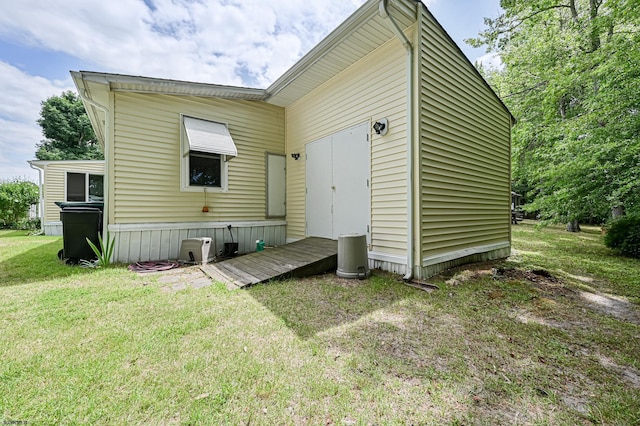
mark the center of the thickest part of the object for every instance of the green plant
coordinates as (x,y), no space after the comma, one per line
(104,252)
(16,196)
(623,235)
(29,224)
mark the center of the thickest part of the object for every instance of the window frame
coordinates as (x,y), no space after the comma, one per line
(185,155)
(87,179)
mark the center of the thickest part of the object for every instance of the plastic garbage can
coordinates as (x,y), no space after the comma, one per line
(78,224)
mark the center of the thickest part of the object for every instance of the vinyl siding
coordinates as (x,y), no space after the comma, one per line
(54,180)
(372,88)
(464,154)
(146,165)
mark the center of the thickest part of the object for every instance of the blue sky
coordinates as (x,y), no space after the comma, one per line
(42,40)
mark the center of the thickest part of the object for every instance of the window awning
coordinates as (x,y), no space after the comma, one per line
(209,136)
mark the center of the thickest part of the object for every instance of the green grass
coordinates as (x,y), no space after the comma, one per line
(106,346)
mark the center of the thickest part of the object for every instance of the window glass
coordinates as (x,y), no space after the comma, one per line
(76,186)
(205,169)
(96,188)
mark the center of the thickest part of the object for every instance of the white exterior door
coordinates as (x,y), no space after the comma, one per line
(338,193)
(276,185)
(319,191)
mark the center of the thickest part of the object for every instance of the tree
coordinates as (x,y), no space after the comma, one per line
(67,130)
(16,197)
(571,78)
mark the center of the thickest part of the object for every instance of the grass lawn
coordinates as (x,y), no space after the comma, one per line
(550,336)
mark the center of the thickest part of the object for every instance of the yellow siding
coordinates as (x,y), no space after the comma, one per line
(146,164)
(371,89)
(465,143)
(54,183)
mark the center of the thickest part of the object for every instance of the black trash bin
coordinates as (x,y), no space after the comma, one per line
(78,224)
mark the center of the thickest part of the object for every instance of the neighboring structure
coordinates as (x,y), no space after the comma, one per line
(384,129)
(73,180)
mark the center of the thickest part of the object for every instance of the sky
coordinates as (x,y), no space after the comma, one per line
(246,43)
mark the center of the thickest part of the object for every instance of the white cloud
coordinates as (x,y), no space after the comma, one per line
(490,61)
(234,42)
(249,42)
(21,95)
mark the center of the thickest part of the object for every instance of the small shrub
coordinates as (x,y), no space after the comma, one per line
(623,236)
(29,224)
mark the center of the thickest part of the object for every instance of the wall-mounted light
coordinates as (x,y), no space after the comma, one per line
(295,155)
(381,127)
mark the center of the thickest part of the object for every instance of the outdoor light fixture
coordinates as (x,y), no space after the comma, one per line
(295,155)
(381,126)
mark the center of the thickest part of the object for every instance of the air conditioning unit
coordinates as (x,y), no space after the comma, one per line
(196,251)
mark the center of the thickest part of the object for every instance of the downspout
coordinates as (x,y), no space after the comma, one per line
(40,196)
(410,130)
(107,128)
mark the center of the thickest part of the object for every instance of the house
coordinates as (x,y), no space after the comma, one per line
(62,181)
(383,129)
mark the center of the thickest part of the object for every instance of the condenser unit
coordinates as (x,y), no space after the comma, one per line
(196,250)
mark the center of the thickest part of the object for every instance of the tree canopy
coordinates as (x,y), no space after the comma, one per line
(67,130)
(571,78)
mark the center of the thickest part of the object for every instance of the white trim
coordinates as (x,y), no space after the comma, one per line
(43,163)
(385,257)
(124,227)
(433,260)
(138,84)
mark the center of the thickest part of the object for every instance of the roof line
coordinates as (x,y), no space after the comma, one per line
(169,86)
(484,81)
(346,28)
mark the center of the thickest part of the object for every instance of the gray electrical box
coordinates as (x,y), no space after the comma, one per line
(196,251)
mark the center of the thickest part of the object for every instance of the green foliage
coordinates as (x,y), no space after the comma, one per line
(623,235)
(29,224)
(68,132)
(104,253)
(16,196)
(571,79)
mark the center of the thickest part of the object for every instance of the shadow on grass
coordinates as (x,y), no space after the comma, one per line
(312,305)
(40,263)
(7,233)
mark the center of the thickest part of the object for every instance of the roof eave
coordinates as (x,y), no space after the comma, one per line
(363,14)
(139,84)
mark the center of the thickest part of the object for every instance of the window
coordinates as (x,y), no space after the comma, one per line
(84,187)
(205,169)
(206,148)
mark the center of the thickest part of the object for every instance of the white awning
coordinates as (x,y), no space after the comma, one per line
(209,136)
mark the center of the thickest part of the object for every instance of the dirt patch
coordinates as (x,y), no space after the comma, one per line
(466,275)
(553,287)
(616,306)
(181,278)
(542,280)
(628,374)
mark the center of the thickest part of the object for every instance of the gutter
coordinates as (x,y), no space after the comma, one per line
(40,196)
(107,127)
(393,25)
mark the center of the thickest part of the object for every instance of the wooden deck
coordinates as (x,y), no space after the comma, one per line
(302,258)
